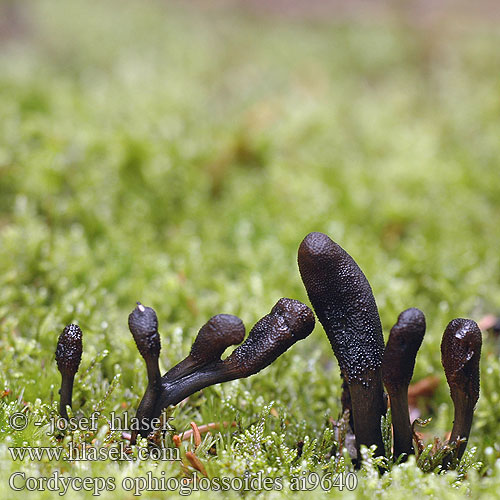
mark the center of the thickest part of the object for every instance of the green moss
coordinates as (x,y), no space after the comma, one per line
(178,156)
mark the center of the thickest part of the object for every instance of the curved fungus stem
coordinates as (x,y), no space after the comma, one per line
(343,301)
(143,324)
(460,356)
(398,363)
(288,322)
(68,357)
(214,337)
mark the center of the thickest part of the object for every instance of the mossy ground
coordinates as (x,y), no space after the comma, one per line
(178,156)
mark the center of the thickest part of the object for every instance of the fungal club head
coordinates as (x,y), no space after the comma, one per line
(344,303)
(143,324)
(401,350)
(460,356)
(296,315)
(69,350)
(288,322)
(215,336)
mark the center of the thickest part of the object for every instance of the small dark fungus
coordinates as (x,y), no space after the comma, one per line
(68,357)
(398,363)
(460,356)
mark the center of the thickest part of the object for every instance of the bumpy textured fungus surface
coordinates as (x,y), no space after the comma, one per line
(343,301)
(460,356)
(398,363)
(69,350)
(68,356)
(288,322)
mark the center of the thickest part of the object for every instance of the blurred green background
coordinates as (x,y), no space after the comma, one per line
(177,154)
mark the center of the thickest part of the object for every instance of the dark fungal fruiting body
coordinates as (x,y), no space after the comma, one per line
(460,356)
(68,356)
(398,363)
(288,322)
(214,337)
(143,324)
(343,301)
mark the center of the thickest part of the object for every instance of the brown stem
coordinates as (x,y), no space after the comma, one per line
(368,404)
(143,325)
(403,435)
(66,393)
(462,423)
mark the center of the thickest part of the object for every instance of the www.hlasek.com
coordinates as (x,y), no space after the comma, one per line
(76,453)
(19,481)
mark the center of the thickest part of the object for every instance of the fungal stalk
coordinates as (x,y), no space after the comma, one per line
(68,357)
(288,322)
(398,363)
(143,324)
(344,303)
(460,356)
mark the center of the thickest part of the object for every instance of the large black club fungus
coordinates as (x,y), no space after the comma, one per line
(344,303)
